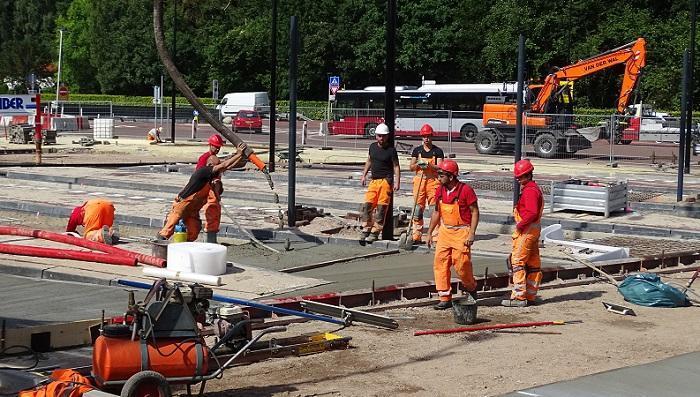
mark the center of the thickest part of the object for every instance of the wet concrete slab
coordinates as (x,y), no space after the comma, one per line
(674,377)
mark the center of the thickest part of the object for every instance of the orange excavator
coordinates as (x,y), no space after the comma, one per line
(548,127)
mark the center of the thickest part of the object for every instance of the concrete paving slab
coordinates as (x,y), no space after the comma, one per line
(674,377)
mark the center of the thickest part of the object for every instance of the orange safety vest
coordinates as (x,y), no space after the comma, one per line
(453,230)
(428,172)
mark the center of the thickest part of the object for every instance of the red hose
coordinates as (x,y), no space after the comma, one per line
(81,242)
(58,253)
(486,327)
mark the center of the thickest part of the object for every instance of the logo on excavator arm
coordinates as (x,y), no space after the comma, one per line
(601,64)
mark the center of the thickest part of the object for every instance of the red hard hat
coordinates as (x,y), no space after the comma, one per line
(216,140)
(449,166)
(426,130)
(522,167)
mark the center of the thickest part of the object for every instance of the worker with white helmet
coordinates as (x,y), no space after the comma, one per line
(383,160)
(525,256)
(424,161)
(212,209)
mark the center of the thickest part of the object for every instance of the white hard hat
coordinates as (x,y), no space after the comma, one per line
(382,129)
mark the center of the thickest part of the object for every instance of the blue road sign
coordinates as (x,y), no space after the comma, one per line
(334,81)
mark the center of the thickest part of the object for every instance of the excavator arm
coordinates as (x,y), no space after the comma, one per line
(632,55)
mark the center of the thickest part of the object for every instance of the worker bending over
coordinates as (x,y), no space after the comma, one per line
(424,161)
(383,160)
(525,256)
(457,212)
(194,195)
(212,209)
(96,216)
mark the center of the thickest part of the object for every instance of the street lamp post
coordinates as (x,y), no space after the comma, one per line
(58,78)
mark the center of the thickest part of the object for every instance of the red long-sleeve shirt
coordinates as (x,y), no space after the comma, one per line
(76,218)
(529,205)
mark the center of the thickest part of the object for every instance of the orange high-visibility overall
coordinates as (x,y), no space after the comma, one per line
(377,197)
(212,209)
(187,209)
(97,213)
(525,258)
(64,383)
(451,251)
(423,194)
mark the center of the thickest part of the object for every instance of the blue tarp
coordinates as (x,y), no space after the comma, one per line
(646,289)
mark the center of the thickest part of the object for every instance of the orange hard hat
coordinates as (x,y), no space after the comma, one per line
(449,166)
(522,167)
(216,140)
(426,130)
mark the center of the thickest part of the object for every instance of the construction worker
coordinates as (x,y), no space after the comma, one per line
(525,256)
(194,195)
(424,161)
(386,178)
(457,212)
(96,216)
(212,209)
(153,135)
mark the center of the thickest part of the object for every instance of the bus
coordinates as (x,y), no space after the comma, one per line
(451,109)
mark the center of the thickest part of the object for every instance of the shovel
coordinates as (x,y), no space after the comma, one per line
(406,240)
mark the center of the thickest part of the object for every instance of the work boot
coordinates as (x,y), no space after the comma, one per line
(513,303)
(106,236)
(372,237)
(115,235)
(363,236)
(473,294)
(442,305)
(211,237)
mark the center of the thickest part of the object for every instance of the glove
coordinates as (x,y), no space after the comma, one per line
(422,165)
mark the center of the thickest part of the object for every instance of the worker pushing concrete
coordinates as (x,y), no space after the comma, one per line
(525,256)
(96,216)
(383,160)
(212,209)
(424,161)
(195,194)
(457,213)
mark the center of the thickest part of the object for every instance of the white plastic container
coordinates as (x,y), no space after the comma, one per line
(103,128)
(201,258)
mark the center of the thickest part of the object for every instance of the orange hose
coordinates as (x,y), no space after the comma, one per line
(253,158)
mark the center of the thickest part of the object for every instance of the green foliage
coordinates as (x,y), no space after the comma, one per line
(109,45)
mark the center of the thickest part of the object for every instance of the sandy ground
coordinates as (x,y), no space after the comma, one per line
(486,363)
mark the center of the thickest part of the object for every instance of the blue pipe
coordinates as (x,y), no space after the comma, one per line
(261,306)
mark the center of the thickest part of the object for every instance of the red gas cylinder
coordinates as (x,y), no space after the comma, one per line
(118,358)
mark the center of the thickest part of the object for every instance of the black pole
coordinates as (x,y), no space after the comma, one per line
(519,113)
(691,84)
(293,50)
(273,88)
(172,114)
(684,116)
(389,110)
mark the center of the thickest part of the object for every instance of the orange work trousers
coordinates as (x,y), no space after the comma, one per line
(451,251)
(526,263)
(377,197)
(98,213)
(186,209)
(212,213)
(424,195)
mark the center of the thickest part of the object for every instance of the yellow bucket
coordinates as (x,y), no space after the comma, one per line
(180,237)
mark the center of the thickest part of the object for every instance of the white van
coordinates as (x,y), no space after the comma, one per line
(232,102)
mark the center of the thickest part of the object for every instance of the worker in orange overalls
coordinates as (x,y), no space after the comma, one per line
(424,161)
(96,216)
(212,209)
(457,212)
(386,178)
(525,256)
(194,195)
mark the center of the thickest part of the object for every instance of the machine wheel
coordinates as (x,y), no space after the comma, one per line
(370,129)
(626,141)
(546,145)
(468,132)
(486,142)
(146,384)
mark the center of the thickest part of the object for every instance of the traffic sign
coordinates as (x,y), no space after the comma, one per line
(63,92)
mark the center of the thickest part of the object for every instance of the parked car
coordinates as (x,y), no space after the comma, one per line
(247,120)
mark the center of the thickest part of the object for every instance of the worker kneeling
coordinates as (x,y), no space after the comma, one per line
(195,194)
(424,161)
(525,256)
(96,216)
(457,212)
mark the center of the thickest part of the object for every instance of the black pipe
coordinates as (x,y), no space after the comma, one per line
(273,88)
(291,178)
(519,113)
(691,84)
(684,115)
(389,99)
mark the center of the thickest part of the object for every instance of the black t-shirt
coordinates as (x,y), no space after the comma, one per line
(197,181)
(383,161)
(433,154)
